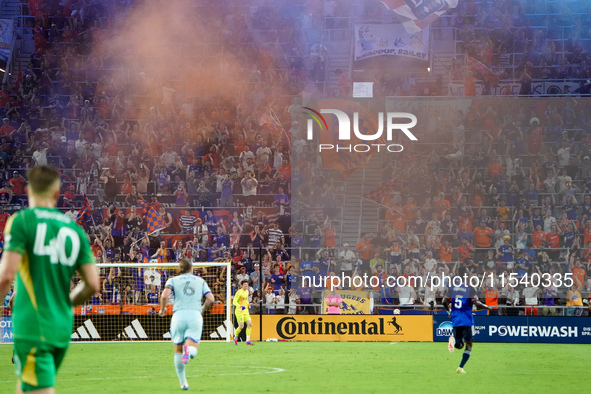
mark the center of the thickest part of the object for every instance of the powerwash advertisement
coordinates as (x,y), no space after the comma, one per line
(520,329)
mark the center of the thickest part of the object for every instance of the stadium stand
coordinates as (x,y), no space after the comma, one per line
(154,171)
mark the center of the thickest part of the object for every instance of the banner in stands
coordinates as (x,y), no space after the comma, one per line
(377,40)
(142,327)
(6,330)
(6,37)
(362,89)
(354,328)
(540,88)
(354,302)
(520,329)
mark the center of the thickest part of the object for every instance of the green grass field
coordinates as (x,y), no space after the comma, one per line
(319,367)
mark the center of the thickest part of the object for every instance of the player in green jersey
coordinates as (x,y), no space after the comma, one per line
(44,249)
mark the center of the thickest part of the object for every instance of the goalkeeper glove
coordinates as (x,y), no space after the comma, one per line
(243,307)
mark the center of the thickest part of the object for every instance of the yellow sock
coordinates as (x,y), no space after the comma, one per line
(248,331)
(238,331)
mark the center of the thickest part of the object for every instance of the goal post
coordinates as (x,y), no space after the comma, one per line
(126,308)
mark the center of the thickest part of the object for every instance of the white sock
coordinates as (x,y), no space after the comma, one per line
(247,338)
(180,367)
(192,351)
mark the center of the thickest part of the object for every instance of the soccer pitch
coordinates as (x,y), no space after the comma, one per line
(323,367)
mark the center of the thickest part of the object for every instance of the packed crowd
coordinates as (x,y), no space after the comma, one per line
(225,168)
(509,195)
(536,39)
(222,155)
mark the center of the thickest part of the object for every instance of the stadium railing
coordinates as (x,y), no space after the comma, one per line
(539,310)
(127,306)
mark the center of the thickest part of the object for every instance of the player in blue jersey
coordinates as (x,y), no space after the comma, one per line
(459,300)
(187,323)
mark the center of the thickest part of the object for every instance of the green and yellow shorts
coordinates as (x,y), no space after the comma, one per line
(37,363)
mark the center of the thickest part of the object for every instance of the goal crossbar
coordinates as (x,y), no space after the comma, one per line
(128,308)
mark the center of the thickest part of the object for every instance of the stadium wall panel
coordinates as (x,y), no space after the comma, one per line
(353,328)
(520,329)
(107,328)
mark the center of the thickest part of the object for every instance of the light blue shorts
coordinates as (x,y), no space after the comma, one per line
(186,324)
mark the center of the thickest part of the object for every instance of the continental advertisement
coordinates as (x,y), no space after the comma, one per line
(354,302)
(352,328)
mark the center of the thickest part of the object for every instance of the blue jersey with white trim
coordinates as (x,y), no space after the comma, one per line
(461,305)
(188,291)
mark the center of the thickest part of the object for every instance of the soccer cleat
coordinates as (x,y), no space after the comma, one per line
(185,354)
(452,344)
(235,341)
(185,386)
(249,343)
(460,370)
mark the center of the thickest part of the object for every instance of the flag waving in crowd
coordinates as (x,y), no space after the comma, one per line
(85,213)
(269,121)
(486,73)
(377,195)
(154,221)
(419,14)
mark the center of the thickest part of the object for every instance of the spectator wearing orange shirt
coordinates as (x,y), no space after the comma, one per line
(441,205)
(395,253)
(464,249)
(395,215)
(445,252)
(466,216)
(502,210)
(553,242)
(394,210)
(469,84)
(495,169)
(539,237)
(363,247)
(491,298)
(3,218)
(587,253)
(6,129)
(330,234)
(409,209)
(285,169)
(344,83)
(466,223)
(399,223)
(579,273)
(17,183)
(482,237)
(587,232)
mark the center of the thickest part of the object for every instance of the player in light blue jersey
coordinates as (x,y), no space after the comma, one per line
(459,300)
(187,323)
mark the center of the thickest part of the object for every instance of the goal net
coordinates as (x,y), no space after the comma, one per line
(126,308)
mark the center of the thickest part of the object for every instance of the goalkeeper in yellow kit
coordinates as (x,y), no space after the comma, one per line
(242,313)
